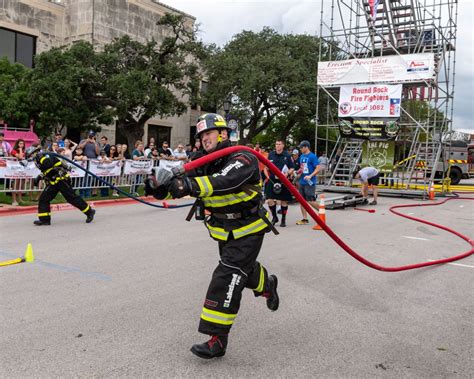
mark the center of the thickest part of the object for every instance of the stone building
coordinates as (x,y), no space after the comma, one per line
(29,27)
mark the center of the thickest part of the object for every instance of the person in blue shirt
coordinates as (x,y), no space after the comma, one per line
(309,168)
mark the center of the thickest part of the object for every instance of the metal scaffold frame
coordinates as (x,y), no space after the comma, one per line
(399,27)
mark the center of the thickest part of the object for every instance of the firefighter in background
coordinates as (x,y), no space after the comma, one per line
(229,189)
(55,174)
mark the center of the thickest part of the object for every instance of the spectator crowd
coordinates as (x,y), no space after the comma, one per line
(94,148)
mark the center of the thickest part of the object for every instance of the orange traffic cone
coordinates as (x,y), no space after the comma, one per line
(322,213)
(431,193)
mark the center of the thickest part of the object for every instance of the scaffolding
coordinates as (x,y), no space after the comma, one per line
(357,29)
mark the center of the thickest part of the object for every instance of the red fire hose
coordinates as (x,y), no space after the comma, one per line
(220,153)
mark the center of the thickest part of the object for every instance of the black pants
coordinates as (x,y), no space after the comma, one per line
(238,269)
(50,192)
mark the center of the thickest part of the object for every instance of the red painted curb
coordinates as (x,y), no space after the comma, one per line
(12,211)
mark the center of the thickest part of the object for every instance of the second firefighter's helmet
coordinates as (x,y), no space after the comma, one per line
(210,121)
(32,151)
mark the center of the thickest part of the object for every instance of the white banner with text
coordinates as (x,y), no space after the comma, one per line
(13,169)
(137,167)
(98,168)
(375,100)
(392,68)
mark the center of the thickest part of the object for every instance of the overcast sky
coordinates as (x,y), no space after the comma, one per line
(221,19)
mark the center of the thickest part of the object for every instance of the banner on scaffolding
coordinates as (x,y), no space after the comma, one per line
(137,167)
(13,169)
(98,168)
(378,154)
(406,68)
(374,100)
(372,129)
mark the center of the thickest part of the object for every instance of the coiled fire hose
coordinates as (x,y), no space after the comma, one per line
(221,153)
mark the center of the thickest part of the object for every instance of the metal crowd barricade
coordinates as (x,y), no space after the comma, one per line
(17,180)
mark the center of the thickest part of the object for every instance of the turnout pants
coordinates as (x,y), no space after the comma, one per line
(50,192)
(238,269)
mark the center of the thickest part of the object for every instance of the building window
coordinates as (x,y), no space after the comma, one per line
(17,47)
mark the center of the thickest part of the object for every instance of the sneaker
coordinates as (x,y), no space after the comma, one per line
(90,216)
(274,220)
(39,222)
(213,348)
(283,223)
(15,203)
(373,203)
(115,194)
(273,301)
(303,221)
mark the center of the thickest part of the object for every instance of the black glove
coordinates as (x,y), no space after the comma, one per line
(150,185)
(37,180)
(180,187)
(157,184)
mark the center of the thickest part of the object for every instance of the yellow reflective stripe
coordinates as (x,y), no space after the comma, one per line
(220,123)
(254,227)
(42,159)
(260,282)
(222,201)
(59,178)
(217,317)
(169,196)
(44,214)
(87,208)
(218,233)
(205,186)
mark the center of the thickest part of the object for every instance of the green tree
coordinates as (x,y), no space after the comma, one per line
(14,108)
(266,75)
(144,80)
(63,89)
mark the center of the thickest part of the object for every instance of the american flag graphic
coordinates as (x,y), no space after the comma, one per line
(373,4)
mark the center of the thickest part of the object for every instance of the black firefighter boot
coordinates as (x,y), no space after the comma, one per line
(90,215)
(41,222)
(273,301)
(213,348)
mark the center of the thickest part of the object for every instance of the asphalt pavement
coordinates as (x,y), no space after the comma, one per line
(121,297)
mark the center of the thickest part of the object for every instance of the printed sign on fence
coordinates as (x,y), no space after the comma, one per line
(169,165)
(105,168)
(375,100)
(137,167)
(76,172)
(12,169)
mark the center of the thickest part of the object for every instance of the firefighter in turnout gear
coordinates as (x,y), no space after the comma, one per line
(56,176)
(229,189)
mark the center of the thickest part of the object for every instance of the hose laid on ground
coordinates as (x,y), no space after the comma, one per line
(116,188)
(220,153)
(12,262)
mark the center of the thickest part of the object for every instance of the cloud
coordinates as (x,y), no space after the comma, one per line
(222,19)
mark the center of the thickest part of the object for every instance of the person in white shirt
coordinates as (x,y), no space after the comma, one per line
(369,176)
(180,153)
